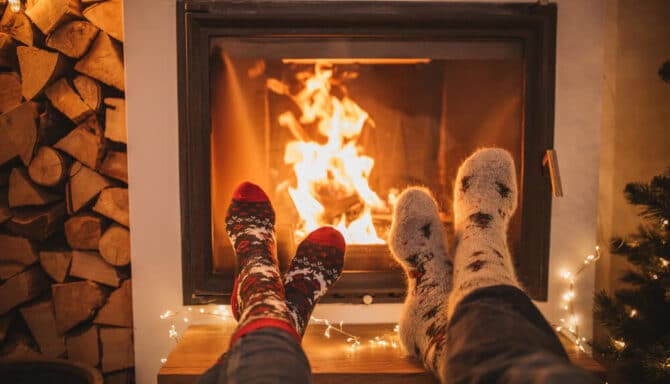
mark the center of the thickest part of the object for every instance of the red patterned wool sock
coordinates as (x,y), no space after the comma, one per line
(315,267)
(258,299)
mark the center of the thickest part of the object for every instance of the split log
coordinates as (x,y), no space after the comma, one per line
(18,133)
(75,302)
(37,223)
(39,68)
(84,347)
(117,349)
(48,167)
(115,120)
(17,255)
(52,126)
(107,16)
(89,90)
(119,308)
(113,203)
(5,212)
(83,186)
(90,266)
(114,245)
(104,62)
(72,39)
(66,100)
(20,349)
(47,15)
(18,26)
(42,324)
(56,264)
(115,166)
(84,145)
(10,91)
(83,231)
(21,288)
(23,192)
(7,51)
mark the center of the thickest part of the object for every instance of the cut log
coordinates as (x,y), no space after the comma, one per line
(39,68)
(18,26)
(90,266)
(23,192)
(47,15)
(72,39)
(18,133)
(84,347)
(104,62)
(117,349)
(66,100)
(83,231)
(115,166)
(42,324)
(119,308)
(7,51)
(52,126)
(115,120)
(21,288)
(83,186)
(48,167)
(89,90)
(107,16)
(115,245)
(10,91)
(5,212)
(37,223)
(56,264)
(21,349)
(113,203)
(75,302)
(83,145)
(17,255)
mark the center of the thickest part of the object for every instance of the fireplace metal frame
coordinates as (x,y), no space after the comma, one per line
(532,24)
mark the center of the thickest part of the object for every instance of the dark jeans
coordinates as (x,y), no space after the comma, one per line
(496,335)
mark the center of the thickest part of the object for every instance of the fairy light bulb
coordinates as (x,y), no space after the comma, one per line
(15,5)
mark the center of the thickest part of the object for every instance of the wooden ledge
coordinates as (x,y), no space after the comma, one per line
(331,359)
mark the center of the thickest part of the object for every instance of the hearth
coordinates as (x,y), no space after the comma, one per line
(335,107)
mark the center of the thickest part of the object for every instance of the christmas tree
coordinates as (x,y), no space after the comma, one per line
(637,317)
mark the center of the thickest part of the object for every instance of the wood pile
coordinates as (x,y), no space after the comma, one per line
(65,288)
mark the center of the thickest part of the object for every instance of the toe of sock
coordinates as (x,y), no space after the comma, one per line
(250,192)
(327,236)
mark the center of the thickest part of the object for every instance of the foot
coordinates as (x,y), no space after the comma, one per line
(485,197)
(316,266)
(258,298)
(418,242)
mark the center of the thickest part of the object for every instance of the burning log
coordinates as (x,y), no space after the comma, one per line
(72,39)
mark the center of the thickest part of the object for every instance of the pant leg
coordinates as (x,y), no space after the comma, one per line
(497,335)
(265,356)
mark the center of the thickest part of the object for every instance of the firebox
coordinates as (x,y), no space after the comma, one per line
(335,107)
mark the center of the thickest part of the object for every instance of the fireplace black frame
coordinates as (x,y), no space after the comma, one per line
(532,24)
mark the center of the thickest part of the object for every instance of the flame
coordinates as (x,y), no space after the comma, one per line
(336,170)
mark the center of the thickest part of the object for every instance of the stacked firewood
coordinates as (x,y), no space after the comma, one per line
(65,288)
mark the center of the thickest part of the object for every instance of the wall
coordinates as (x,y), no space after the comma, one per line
(151,73)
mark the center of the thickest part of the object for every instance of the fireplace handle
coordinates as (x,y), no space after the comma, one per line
(550,160)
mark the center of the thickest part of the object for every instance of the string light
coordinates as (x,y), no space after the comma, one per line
(15,5)
(352,340)
(619,345)
(218,312)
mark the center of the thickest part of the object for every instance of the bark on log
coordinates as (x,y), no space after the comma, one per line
(37,223)
(56,264)
(23,192)
(119,308)
(84,347)
(21,288)
(48,167)
(107,16)
(18,26)
(117,349)
(39,68)
(89,90)
(115,120)
(83,231)
(10,91)
(18,133)
(17,255)
(113,203)
(90,266)
(72,39)
(42,324)
(104,62)
(83,186)
(7,51)
(114,245)
(5,212)
(115,166)
(83,144)
(75,303)
(64,98)
(47,15)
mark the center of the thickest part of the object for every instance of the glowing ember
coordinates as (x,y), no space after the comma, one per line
(331,186)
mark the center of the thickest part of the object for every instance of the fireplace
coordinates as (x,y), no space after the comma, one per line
(335,107)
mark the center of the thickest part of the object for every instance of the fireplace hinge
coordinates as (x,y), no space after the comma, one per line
(550,161)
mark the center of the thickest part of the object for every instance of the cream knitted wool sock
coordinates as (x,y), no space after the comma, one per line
(417,241)
(485,197)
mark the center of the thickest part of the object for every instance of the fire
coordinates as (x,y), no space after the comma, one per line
(331,171)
